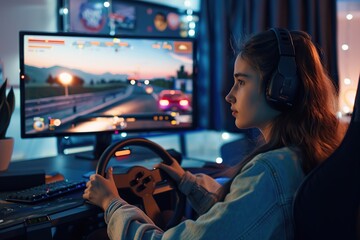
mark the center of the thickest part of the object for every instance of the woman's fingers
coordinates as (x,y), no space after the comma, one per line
(172,172)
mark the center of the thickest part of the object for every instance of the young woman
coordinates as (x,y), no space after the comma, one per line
(300,132)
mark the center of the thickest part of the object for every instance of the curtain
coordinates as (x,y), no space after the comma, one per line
(224,23)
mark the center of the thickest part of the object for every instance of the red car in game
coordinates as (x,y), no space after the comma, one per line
(173,100)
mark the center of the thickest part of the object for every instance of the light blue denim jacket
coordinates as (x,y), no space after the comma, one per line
(258,206)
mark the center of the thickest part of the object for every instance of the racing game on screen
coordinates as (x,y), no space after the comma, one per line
(90,84)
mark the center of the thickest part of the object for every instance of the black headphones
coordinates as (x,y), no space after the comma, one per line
(282,86)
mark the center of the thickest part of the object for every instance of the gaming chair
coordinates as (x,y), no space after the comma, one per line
(326,204)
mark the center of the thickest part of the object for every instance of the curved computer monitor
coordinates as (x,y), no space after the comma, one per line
(73,84)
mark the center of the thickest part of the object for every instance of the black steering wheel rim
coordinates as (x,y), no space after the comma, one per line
(161,152)
(110,151)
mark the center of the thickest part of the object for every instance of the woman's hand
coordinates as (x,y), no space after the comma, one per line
(175,171)
(101,191)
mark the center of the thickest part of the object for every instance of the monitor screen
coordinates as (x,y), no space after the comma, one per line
(73,83)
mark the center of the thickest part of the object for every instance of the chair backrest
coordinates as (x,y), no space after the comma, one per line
(326,205)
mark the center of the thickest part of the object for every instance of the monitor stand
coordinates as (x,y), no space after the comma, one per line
(102,141)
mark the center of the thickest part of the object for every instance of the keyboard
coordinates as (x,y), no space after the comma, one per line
(45,191)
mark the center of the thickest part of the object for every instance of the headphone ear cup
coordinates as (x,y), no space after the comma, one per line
(272,89)
(281,88)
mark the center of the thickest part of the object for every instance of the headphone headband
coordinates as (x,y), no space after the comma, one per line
(285,42)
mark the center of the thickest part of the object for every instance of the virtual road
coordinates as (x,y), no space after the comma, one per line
(127,109)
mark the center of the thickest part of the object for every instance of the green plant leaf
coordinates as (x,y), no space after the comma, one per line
(11,100)
(2,95)
(7,106)
(4,119)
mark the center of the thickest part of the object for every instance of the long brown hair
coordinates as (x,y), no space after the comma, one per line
(310,127)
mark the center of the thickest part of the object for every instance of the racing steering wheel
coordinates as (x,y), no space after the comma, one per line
(145,183)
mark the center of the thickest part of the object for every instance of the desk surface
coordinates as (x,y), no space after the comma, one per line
(70,166)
